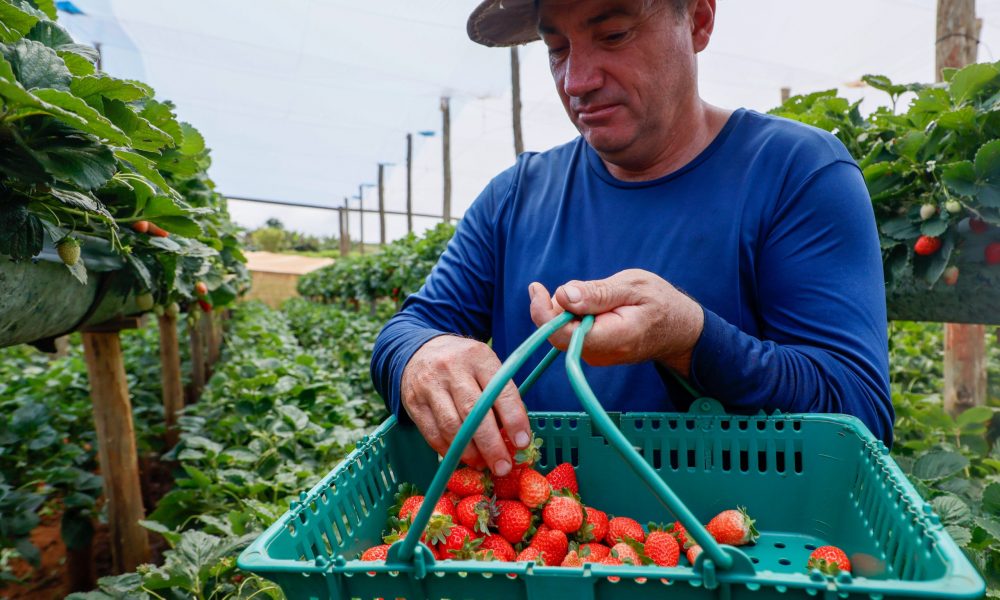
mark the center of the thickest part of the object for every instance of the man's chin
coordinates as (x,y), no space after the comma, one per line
(606,143)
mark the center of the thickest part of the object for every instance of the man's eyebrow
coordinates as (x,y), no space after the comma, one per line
(618,11)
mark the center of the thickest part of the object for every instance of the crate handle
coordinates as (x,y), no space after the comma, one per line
(408,545)
(606,427)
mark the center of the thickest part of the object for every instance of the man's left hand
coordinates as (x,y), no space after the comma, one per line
(638,317)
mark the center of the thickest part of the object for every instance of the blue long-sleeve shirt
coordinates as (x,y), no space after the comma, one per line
(770,229)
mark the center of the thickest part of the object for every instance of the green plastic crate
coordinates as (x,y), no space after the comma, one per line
(808,480)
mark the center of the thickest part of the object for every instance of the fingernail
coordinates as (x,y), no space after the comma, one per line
(572,293)
(502,468)
(521,439)
(531,291)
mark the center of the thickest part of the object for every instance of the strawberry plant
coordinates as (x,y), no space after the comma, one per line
(933,172)
(99,168)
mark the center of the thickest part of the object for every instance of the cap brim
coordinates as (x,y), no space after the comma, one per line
(498,23)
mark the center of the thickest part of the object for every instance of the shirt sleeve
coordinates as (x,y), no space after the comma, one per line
(822,312)
(457,297)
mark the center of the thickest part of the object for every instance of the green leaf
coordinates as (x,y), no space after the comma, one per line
(82,200)
(991,499)
(952,510)
(79,271)
(180,225)
(78,65)
(934,227)
(93,121)
(161,115)
(145,279)
(193,142)
(18,18)
(110,87)
(145,167)
(960,177)
(67,154)
(144,135)
(881,82)
(21,233)
(168,534)
(160,206)
(990,525)
(36,65)
(959,120)
(976,414)
(960,534)
(46,6)
(969,81)
(939,464)
(900,228)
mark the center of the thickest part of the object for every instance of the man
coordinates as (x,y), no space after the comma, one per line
(734,249)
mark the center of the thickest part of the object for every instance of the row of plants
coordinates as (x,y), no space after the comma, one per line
(395,272)
(48,446)
(289,398)
(104,172)
(932,170)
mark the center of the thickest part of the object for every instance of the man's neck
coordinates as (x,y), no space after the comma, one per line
(689,139)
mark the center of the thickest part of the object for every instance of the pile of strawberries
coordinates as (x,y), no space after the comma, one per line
(527,516)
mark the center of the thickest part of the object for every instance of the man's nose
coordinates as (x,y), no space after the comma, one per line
(583,73)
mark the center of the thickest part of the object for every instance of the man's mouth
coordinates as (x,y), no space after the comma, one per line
(592,114)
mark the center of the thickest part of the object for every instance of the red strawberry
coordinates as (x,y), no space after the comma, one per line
(501,548)
(459,544)
(610,560)
(157,231)
(563,477)
(525,456)
(692,553)
(508,487)
(474,513)
(553,544)
(412,504)
(733,527)
(572,560)
(992,254)
(205,305)
(927,245)
(679,532)
(455,498)
(621,527)
(513,520)
(533,488)
(978,225)
(594,552)
(626,554)
(950,275)
(375,553)
(830,560)
(140,226)
(662,548)
(529,554)
(469,482)
(563,513)
(596,527)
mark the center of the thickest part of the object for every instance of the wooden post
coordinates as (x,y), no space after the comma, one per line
(965,345)
(361,216)
(446,145)
(207,324)
(381,203)
(170,374)
(515,86)
(345,242)
(116,449)
(786,93)
(409,183)
(197,358)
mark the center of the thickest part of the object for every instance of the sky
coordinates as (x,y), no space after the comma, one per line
(300,100)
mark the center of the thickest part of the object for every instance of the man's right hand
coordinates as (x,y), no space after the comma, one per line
(441,384)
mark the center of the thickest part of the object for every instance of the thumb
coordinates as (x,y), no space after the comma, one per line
(593,297)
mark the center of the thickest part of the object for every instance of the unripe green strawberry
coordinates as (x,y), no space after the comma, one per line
(927,211)
(953,207)
(144,301)
(69,250)
(173,309)
(950,275)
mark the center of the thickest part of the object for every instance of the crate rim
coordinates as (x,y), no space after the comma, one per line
(960,580)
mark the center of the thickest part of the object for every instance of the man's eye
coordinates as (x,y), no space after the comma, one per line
(616,37)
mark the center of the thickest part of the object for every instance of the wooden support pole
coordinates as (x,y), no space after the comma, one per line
(515,87)
(956,45)
(446,150)
(198,375)
(116,450)
(170,374)
(786,93)
(345,241)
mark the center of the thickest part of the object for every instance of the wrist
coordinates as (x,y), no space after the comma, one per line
(679,348)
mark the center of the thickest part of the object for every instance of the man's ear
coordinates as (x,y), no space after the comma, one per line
(702,23)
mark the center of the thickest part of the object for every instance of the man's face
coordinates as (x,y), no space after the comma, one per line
(624,72)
